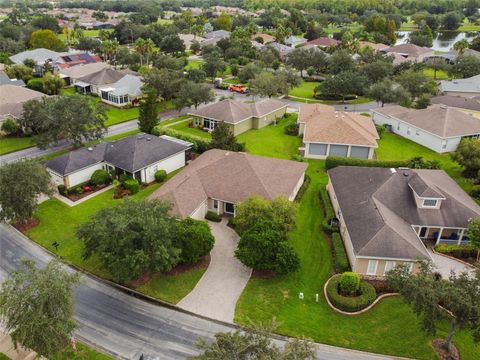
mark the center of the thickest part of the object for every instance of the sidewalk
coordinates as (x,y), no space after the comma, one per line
(7,348)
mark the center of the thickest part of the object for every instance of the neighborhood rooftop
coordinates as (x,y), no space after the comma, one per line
(229,176)
(104,76)
(12,98)
(471,84)
(458,102)
(325,125)
(437,119)
(383,199)
(130,154)
(233,112)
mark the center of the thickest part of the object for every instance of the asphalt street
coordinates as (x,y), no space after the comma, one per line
(127,327)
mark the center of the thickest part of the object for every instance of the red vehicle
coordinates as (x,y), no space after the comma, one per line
(239,88)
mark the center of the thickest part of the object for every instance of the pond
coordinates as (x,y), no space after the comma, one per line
(443,41)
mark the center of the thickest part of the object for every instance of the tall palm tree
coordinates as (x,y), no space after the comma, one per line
(149,48)
(140,47)
(67,32)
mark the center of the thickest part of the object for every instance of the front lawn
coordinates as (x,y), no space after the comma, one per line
(271,140)
(441,74)
(83,352)
(184,128)
(389,328)
(305,89)
(11,144)
(194,64)
(59,222)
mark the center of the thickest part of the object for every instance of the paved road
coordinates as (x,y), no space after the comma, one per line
(217,292)
(126,326)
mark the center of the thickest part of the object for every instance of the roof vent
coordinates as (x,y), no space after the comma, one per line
(227,153)
(406,174)
(443,106)
(90,149)
(149,138)
(393,171)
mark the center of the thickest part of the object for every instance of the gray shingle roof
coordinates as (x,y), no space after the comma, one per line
(232,112)
(128,85)
(471,85)
(130,154)
(384,200)
(105,76)
(5,80)
(458,102)
(217,34)
(39,55)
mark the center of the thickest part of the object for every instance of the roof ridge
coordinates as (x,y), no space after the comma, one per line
(357,127)
(247,158)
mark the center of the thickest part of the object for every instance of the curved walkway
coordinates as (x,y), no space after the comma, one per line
(217,292)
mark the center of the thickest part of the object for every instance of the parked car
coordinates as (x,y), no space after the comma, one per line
(239,88)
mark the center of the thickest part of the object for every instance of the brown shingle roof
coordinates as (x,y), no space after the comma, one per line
(408,49)
(232,112)
(325,125)
(458,102)
(437,119)
(104,76)
(231,177)
(12,98)
(384,200)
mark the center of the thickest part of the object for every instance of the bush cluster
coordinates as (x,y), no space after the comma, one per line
(62,190)
(132,185)
(303,188)
(334,161)
(291,128)
(340,259)
(349,283)
(10,126)
(475,192)
(367,295)
(212,216)
(160,176)
(459,251)
(100,177)
(328,212)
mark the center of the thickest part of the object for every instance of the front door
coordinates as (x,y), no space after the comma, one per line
(230,208)
(423,232)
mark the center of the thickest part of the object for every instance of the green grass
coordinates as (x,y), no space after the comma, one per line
(83,352)
(194,64)
(271,140)
(394,147)
(86,33)
(59,222)
(441,74)
(4,357)
(165,21)
(305,89)
(11,144)
(184,128)
(391,327)
(174,120)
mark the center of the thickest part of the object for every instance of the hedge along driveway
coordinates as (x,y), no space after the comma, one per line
(59,222)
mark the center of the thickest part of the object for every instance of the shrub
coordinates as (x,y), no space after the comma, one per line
(419,162)
(349,283)
(100,177)
(298,157)
(458,251)
(328,212)
(303,188)
(291,128)
(124,177)
(195,240)
(350,303)
(160,176)
(35,84)
(62,189)
(381,129)
(200,145)
(213,216)
(340,259)
(132,185)
(334,161)
(10,126)
(475,192)
(78,190)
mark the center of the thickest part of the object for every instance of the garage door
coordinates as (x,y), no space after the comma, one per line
(360,152)
(338,150)
(317,149)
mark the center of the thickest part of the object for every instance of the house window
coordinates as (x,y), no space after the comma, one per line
(430,202)
(410,267)
(215,204)
(372,267)
(389,265)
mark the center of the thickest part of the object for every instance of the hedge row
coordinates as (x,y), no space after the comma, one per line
(350,303)
(334,161)
(200,145)
(458,251)
(303,188)
(341,263)
(213,216)
(328,212)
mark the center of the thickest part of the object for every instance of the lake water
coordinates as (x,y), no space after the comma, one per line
(443,41)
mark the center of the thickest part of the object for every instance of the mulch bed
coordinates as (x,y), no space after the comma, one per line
(25,226)
(179,269)
(76,197)
(444,354)
(263,274)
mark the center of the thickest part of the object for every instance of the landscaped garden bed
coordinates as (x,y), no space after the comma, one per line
(79,192)
(467,253)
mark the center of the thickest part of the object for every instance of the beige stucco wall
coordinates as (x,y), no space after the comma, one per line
(243,126)
(263,121)
(361,266)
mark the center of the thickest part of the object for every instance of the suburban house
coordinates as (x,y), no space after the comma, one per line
(71,74)
(461,87)
(439,127)
(56,60)
(327,132)
(294,41)
(283,50)
(189,38)
(411,52)
(452,55)
(373,46)
(266,38)
(217,180)
(213,37)
(323,42)
(469,106)
(12,98)
(388,216)
(139,156)
(114,87)
(238,115)
(5,80)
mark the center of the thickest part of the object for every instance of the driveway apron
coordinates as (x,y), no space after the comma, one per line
(217,292)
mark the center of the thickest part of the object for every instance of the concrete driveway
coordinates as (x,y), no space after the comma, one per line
(217,292)
(445,265)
